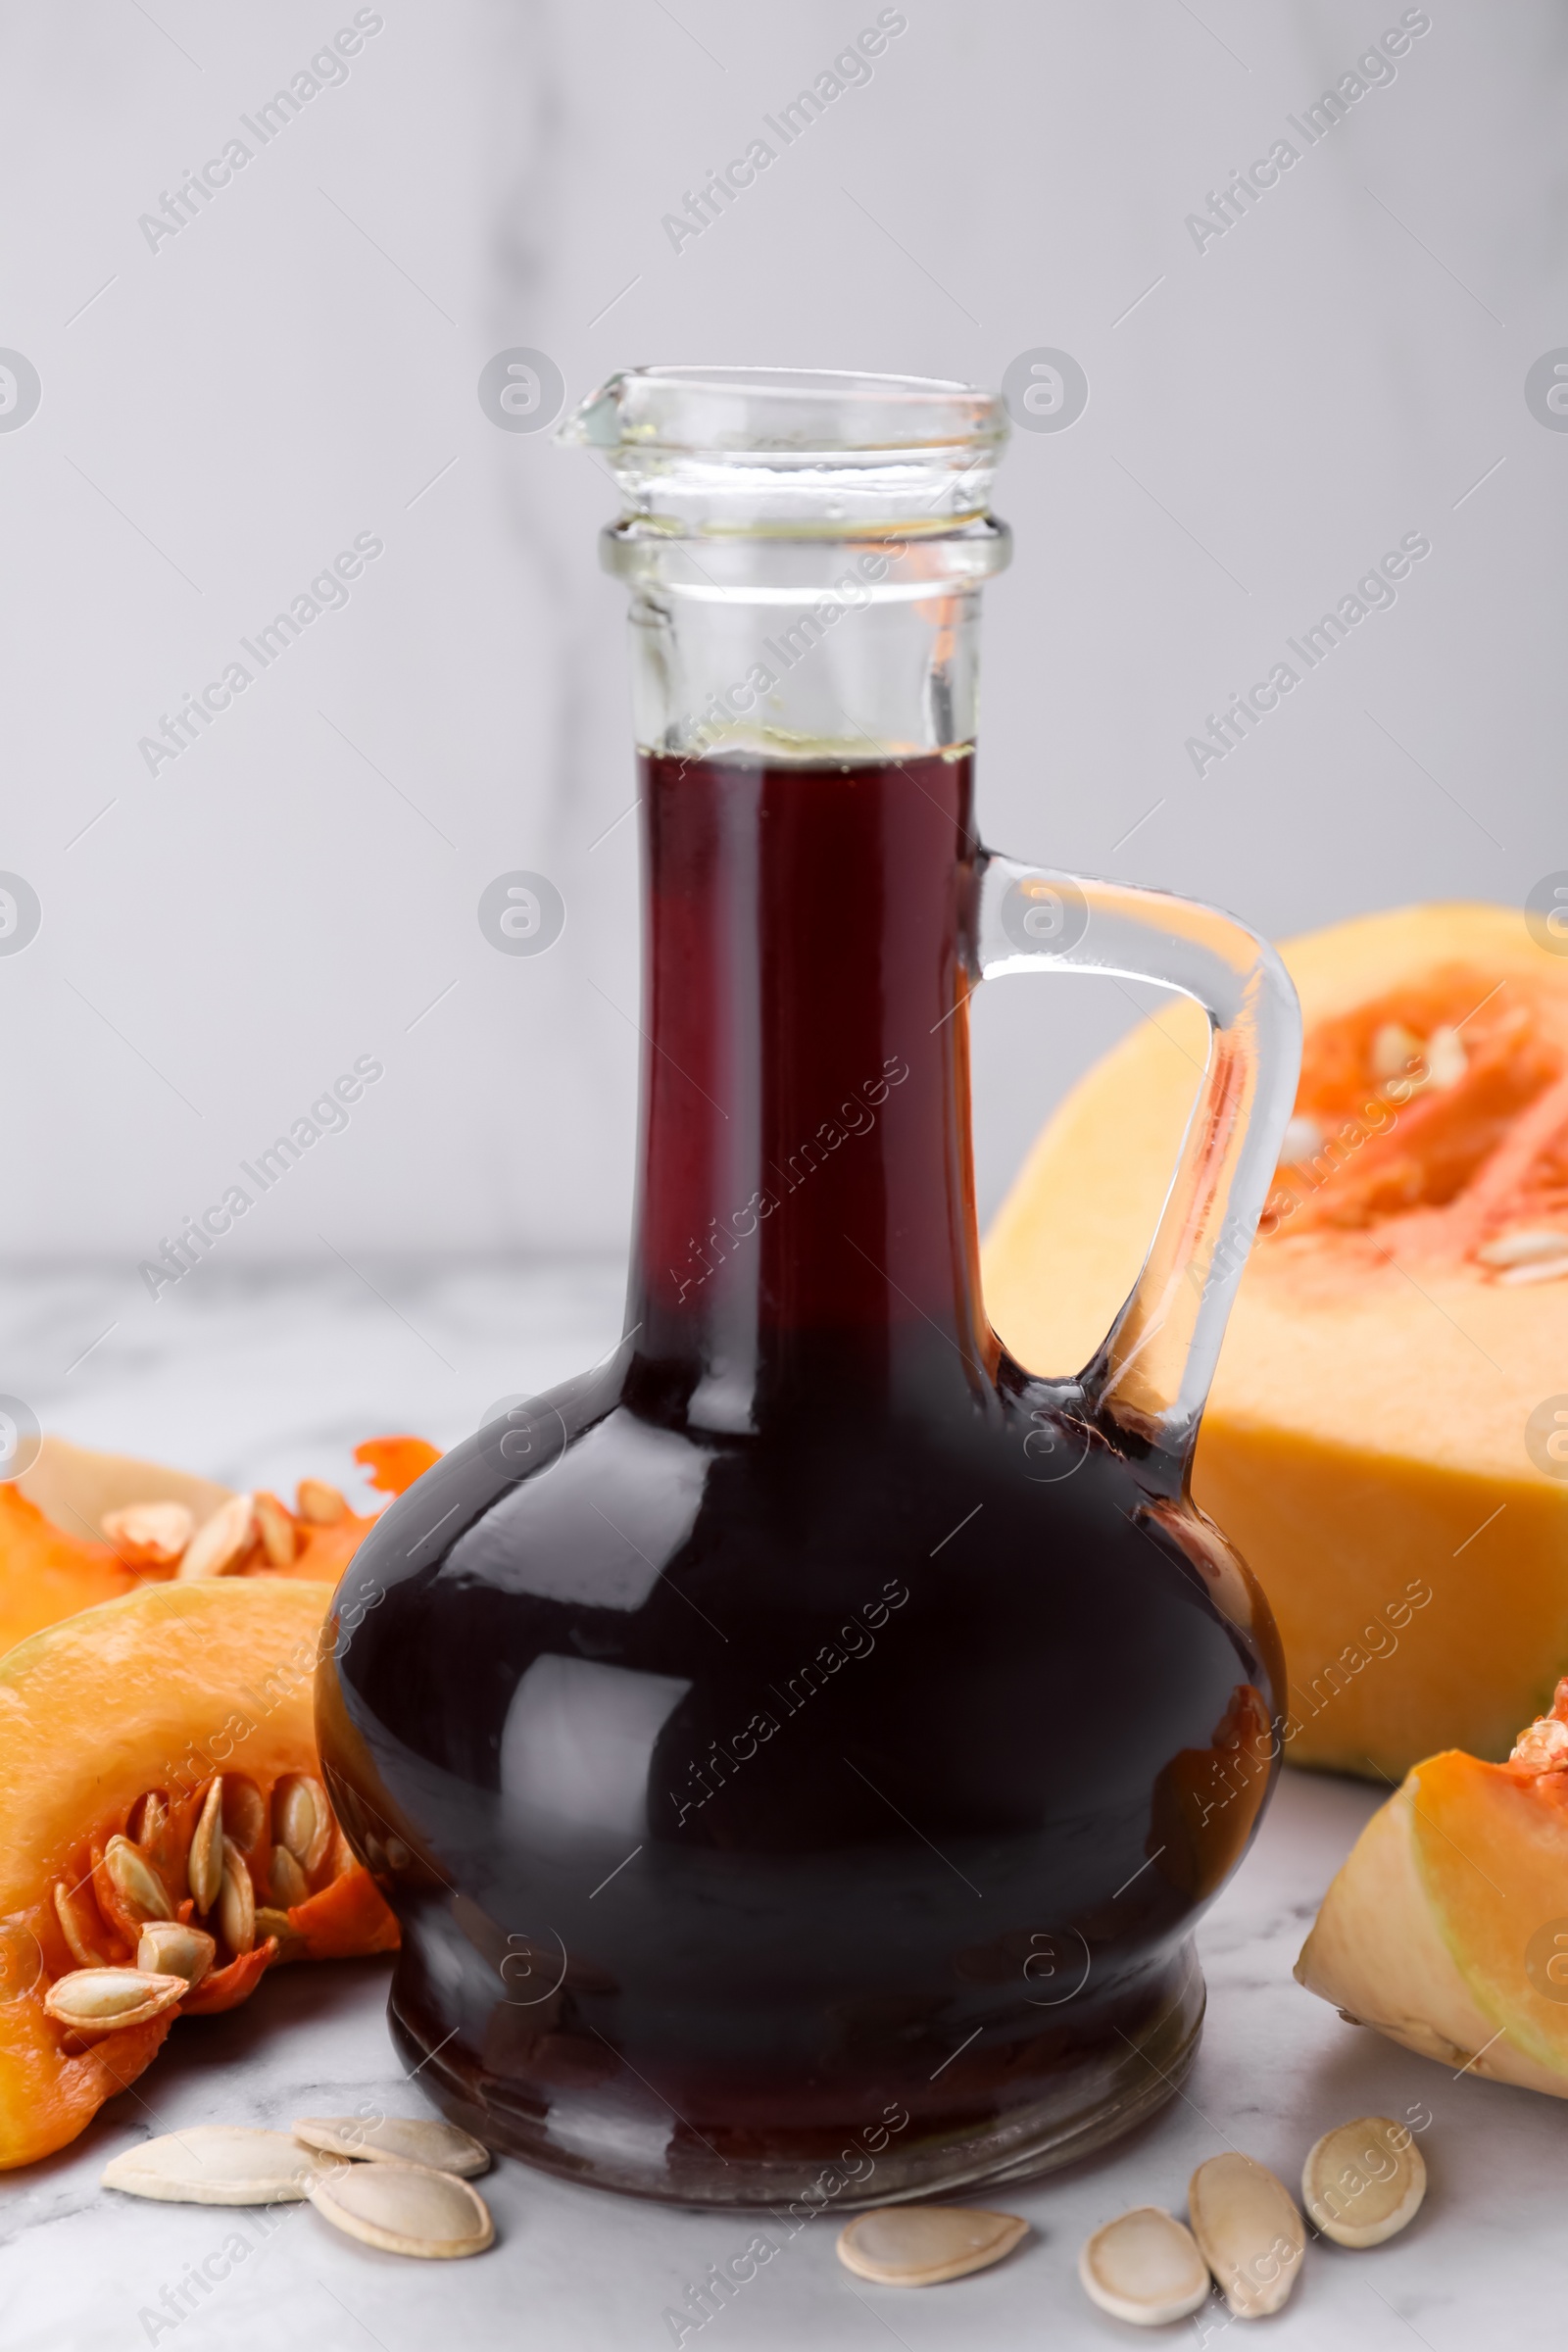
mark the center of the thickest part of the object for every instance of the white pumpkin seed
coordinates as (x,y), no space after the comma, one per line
(1445,1059)
(148,1815)
(405,2209)
(287,1881)
(320,1505)
(236,1901)
(1302,1139)
(217,2164)
(1393,1050)
(152,1534)
(221,1541)
(270,1921)
(1546,1269)
(244,1812)
(101,2000)
(303,1819)
(136,1883)
(78,1936)
(1248,2232)
(1524,1245)
(169,1949)
(1365,2181)
(276,1531)
(1145,2267)
(422,2139)
(921,2246)
(205,1866)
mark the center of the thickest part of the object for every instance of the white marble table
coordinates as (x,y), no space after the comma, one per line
(260,1383)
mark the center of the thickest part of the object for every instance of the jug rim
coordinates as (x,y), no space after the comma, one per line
(735,411)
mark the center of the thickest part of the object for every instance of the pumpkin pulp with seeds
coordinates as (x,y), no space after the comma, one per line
(78,1527)
(164,1835)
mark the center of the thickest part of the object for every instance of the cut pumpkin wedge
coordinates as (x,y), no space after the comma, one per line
(1447,1928)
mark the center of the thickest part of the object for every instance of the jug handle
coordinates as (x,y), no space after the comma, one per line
(1153,1372)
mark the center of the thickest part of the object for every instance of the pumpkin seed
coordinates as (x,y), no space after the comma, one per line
(136,1883)
(148,1816)
(101,2000)
(405,2209)
(921,2246)
(422,2139)
(221,1541)
(1445,1059)
(1544,1269)
(1524,1245)
(287,1881)
(1303,1140)
(1248,2232)
(149,1535)
(320,1505)
(204,1867)
(1365,2181)
(270,1921)
(83,1950)
(1145,2267)
(276,1530)
(1393,1050)
(244,1812)
(303,1819)
(236,1901)
(216,2164)
(169,1949)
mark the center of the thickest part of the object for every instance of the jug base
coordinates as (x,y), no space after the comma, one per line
(602,2147)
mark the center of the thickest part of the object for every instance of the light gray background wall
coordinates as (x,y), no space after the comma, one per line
(299,365)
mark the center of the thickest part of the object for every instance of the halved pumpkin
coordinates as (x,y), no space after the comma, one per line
(115,1728)
(1448,1928)
(1369,1445)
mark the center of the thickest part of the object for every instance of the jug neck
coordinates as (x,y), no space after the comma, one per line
(804,553)
(805,1222)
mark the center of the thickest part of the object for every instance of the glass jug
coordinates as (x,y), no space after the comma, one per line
(798,1750)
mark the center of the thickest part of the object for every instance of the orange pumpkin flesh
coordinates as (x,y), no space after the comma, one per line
(225,1987)
(46,1573)
(394,1463)
(154,1692)
(344,1921)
